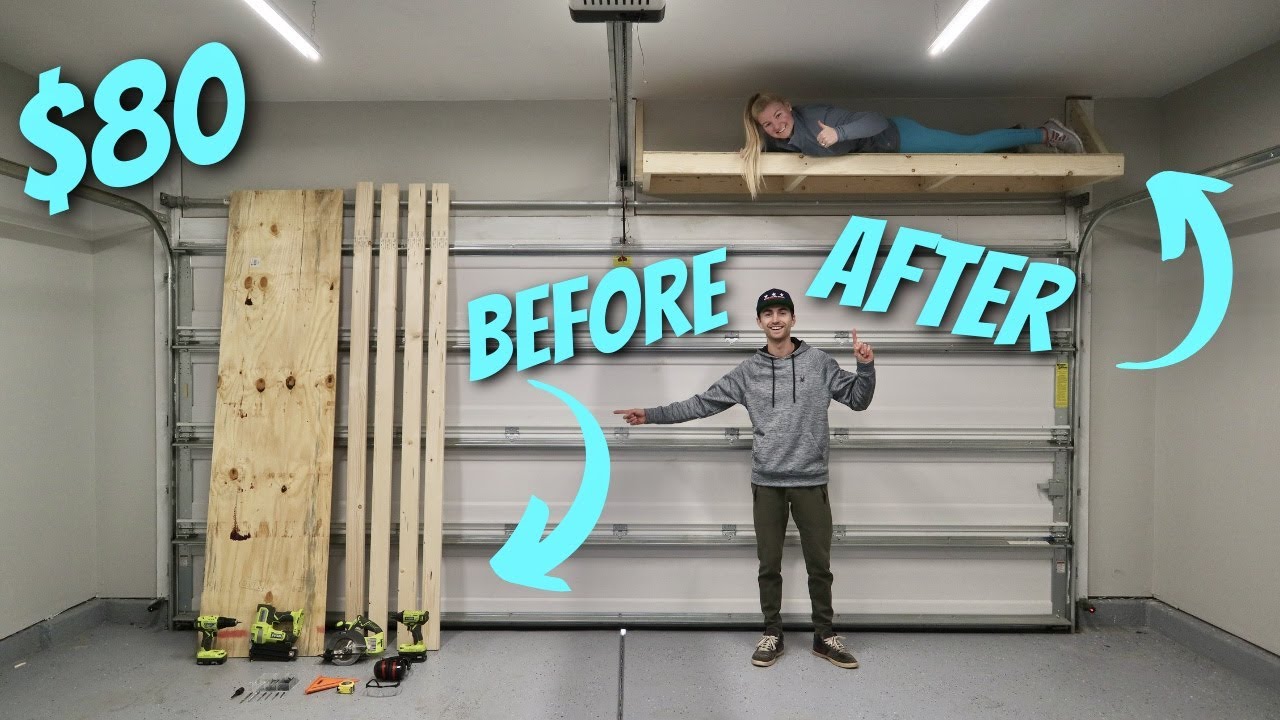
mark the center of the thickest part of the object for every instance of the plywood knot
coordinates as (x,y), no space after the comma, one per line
(289,382)
(261,384)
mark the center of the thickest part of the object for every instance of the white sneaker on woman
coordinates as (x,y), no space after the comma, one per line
(1060,137)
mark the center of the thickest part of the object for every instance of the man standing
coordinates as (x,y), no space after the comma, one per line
(786,387)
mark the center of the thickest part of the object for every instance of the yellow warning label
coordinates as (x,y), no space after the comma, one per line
(621,261)
(1061,387)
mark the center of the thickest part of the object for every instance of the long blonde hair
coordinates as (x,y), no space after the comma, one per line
(755,140)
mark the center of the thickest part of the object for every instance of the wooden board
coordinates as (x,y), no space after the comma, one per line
(1080,118)
(272,469)
(384,405)
(411,414)
(358,404)
(433,493)
(677,173)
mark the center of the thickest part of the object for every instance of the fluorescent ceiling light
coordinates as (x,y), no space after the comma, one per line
(283,25)
(957,25)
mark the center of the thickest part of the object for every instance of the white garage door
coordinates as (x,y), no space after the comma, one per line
(949,494)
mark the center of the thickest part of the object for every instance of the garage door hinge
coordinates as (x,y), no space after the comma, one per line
(622,434)
(838,531)
(840,434)
(731,337)
(731,434)
(512,433)
(729,531)
(1061,436)
(620,530)
(1053,488)
(508,528)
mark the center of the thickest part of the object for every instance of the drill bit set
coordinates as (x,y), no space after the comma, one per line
(270,687)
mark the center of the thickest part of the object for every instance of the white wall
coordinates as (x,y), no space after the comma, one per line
(1125,259)
(553,150)
(1217,492)
(48,527)
(125,417)
(47,524)
(77,441)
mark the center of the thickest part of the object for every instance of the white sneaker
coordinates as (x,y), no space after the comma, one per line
(1060,137)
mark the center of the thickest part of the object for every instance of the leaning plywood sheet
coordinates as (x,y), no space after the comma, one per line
(272,472)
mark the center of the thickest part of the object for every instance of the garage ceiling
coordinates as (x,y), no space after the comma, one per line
(530,49)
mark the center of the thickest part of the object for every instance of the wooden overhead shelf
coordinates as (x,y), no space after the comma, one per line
(720,173)
(663,173)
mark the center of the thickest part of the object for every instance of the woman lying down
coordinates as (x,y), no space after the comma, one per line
(772,124)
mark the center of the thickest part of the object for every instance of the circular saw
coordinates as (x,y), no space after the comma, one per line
(351,641)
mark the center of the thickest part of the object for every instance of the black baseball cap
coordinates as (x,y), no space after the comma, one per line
(774,297)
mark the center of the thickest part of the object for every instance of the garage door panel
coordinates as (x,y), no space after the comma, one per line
(867,489)
(866,581)
(723,580)
(745,277)
(909,392)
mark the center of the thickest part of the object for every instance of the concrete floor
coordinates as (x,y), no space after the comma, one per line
(120,671)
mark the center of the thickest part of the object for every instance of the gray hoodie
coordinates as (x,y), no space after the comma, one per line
(857,132)
(787,399)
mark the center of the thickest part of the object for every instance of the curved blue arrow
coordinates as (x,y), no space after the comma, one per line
(523,560)
(1181,202)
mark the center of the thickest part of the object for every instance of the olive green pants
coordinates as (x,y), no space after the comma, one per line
(812,512)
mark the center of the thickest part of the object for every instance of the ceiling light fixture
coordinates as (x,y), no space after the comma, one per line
(277,19)
(957,26)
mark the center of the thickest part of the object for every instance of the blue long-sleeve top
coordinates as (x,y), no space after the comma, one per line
(858,132)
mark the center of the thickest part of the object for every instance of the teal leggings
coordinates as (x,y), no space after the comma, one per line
(916,138)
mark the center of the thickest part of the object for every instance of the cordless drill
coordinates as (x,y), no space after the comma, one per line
(268,643)
(413,620)
(209,625)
